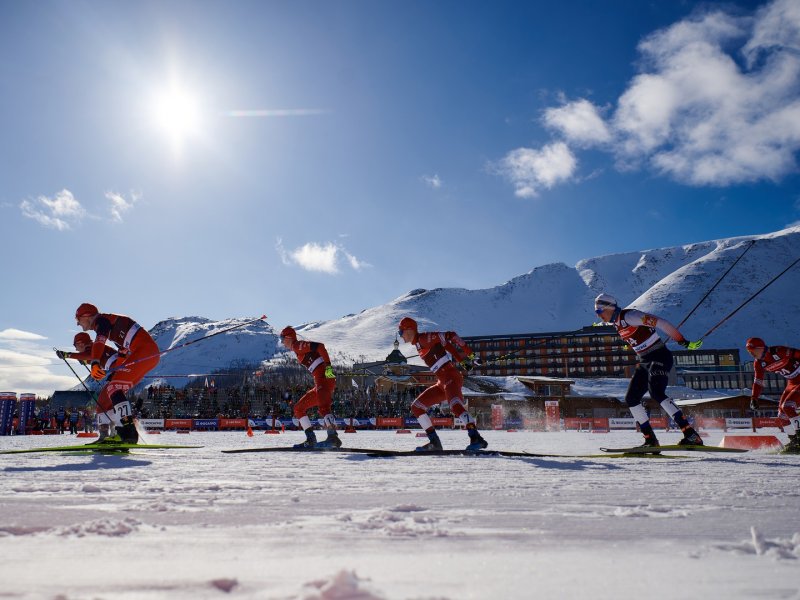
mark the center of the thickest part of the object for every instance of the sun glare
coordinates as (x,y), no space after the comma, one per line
(176,114)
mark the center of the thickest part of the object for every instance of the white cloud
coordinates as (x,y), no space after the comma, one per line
(699,117)
(323,258)
(580,122)
(19,335)
(530,170)
(120,205)
(26,366)
(60,212)
(717,102)
(433,181)
(355,263)
(777,26)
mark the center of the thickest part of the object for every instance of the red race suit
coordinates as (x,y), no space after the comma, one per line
(314,357)
(108,359)
(140,354)
(785,361)
(438,350)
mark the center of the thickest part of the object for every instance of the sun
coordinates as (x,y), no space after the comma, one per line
(176,114)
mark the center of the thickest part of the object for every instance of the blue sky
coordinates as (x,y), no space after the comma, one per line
(310,159)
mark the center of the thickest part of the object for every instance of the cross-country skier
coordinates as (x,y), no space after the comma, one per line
(139,355)
(438,350)
(314,357)
(784,361)
(108,360)
(638,329)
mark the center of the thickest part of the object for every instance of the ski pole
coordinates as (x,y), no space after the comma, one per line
(159,354)
(769,283)
(686,318)
(86,387)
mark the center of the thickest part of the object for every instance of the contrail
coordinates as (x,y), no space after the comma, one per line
(277,112)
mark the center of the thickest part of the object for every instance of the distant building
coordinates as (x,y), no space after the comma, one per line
(587,352)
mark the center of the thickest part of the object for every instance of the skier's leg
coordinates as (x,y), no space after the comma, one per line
(787,407)
(633,398)
(454,394)
(325,401)
(658,378)
(308,400)
(419,408)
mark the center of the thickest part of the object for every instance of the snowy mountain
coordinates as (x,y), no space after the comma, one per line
(249,344)
(554,297)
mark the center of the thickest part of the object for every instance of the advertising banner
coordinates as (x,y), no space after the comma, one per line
(178,424)
(622,423)
(580,423)
(152,423)
(777,422)
(712,423)
(739,423)
(552,415)
(233,423)
(497,416)
(534,424)
(204,423)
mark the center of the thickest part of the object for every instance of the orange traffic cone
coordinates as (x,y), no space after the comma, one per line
(249,431)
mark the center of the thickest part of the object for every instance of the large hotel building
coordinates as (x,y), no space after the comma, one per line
(599,352)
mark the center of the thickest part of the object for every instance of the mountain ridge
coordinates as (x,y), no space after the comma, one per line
(551,297)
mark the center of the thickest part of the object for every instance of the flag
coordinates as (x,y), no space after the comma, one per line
(355,385)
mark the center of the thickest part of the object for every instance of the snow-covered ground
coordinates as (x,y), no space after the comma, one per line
(202,524)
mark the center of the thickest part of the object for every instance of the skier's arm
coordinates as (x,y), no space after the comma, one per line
(758,380)
(457,347)
(637,317)
(103,329)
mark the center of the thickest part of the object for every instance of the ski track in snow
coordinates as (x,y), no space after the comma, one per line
(202,524)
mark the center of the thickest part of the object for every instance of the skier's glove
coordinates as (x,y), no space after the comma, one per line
(754,404)
(63,354)
(98,372)
(329,374)
(470,363)
(691,345)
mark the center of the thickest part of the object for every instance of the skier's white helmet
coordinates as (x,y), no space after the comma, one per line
(604,301)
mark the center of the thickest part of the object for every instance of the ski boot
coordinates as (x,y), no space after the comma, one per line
(332,441)
(476,442)
(690,438)
(311,440)
(106,433)
(127,431)
(650,441)
(793,447)
(434,445)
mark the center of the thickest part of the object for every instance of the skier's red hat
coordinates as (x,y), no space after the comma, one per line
(82,338)
(407,323)
(86,310)
(289,332)
(755,343)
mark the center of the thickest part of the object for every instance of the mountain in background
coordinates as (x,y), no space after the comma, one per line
(554,297)
(249,345)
